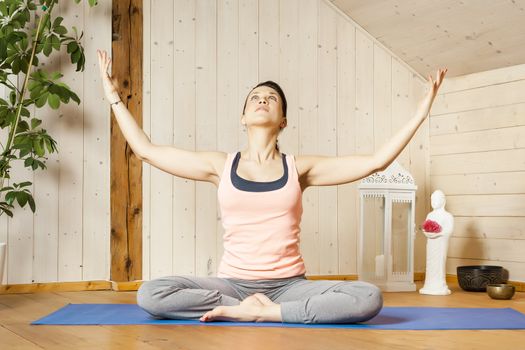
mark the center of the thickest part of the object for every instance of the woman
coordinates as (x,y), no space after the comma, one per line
(261,275)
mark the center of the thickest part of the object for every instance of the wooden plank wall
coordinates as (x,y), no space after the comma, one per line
(477,152)
(347,94)
(67,239)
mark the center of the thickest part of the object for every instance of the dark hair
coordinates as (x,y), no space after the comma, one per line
(276,87)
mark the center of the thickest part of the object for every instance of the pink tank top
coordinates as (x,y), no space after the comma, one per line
(261,223)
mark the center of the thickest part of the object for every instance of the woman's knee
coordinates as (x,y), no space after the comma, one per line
(152,295)
(374,302)
(368,301)
(145,297)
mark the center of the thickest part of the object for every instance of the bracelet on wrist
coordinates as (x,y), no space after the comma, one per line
(114,103)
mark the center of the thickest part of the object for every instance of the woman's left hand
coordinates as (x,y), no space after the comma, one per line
(426,103)
(434,85)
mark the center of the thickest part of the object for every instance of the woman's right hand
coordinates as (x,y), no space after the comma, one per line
(110,84)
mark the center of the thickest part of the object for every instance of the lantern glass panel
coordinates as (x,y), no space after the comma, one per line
(373,262)
(401,215)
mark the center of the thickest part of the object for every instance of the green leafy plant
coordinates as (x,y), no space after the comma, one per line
(21,43)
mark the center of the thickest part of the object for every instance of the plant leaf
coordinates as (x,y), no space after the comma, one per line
(54,101)
(38,148)
(7,211)
(61,30)
(47,47)
(55,42)
(28,161)
(72,47)
(57,21)
(35,123)
(21,198)
(12,98)
(41,101)
(10,197)
(31,203)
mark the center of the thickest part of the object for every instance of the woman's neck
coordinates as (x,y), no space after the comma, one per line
(261,148)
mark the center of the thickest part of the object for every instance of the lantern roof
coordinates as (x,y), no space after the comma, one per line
(395,177)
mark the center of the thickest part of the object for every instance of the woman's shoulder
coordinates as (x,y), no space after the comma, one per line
(303,163)
(218,158)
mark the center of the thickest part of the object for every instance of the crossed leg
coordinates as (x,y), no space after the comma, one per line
(185,297)
(303,301)
(307,302)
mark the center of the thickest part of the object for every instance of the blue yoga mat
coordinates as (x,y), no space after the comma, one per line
(409,318)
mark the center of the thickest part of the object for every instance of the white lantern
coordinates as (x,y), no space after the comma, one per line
(387,229)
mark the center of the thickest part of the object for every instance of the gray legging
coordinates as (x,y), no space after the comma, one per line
(301,300)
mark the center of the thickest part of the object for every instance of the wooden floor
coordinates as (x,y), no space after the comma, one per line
(17,311)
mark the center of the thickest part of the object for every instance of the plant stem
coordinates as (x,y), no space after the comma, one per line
(22,93)
(8,82)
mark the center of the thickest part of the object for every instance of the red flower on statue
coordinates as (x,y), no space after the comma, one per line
(431,226)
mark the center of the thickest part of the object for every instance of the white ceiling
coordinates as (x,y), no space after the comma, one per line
(465,36)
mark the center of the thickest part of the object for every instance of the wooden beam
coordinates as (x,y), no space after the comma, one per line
(54,287)
(126,169)
(130,286)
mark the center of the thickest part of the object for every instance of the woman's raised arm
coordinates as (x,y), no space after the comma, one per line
(324,170)
(203,166)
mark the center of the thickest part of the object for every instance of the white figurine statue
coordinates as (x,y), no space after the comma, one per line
(437,244)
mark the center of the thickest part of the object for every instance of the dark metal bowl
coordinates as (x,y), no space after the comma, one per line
(475,278)
(501,291)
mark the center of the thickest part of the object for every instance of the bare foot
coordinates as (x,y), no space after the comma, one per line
(244,312)
(257,307)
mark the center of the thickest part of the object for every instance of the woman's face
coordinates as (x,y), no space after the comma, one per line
(263,107)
